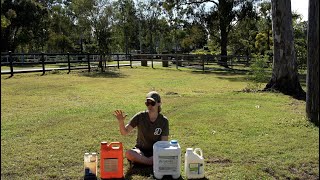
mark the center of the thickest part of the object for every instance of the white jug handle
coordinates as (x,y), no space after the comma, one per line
(198,149)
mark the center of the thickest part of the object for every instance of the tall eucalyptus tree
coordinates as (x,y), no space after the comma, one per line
(93,19)
(151,25)
(265,20)
(223,15)
(21,22)
(125,26)
(312,105)
(285,77)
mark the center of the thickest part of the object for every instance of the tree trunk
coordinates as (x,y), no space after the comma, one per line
(223,43)
(223,24)
(312,104)
(285,77)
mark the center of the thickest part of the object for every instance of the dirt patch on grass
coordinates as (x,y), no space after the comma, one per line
(219,161)
(305,171)
(172,93)
(271,172)
(105,74)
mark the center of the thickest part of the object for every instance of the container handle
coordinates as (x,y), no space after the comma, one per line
(198,149)
(115,145)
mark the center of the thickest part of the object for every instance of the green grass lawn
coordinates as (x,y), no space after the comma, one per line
(48,122)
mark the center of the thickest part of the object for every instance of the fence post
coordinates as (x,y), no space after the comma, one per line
(88,59)
(69,69)
(130,60)
(105,61)
(100,62)
(165,62)
(11,63)
(202,64)
(152,61)
(176,61)
(42,60)
(118,61)
(143,61)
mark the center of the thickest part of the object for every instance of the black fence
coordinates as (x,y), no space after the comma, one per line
(21,62)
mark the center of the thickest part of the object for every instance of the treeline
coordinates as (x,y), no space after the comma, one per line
(153,26)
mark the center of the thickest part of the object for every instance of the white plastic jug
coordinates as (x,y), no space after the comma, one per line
(166,159)
(194,164)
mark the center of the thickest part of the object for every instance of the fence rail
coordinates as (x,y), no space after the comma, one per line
(74,61)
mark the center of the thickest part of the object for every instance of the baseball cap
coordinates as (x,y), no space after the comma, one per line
(154,96)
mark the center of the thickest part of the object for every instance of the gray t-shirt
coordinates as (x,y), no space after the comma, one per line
(149,132)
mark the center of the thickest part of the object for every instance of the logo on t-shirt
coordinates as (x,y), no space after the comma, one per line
(157,131)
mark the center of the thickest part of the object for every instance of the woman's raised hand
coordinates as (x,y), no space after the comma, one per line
(120,115)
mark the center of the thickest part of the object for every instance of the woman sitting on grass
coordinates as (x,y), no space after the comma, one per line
(152,127)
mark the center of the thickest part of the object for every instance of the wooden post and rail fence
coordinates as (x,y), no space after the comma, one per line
(29,62)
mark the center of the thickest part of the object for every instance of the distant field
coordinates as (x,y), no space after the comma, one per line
(48,122)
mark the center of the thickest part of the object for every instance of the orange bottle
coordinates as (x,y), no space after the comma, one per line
(111,160)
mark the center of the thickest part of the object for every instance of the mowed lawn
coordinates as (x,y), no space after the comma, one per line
(48,123)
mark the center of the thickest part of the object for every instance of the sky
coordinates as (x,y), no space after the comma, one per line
(301,6)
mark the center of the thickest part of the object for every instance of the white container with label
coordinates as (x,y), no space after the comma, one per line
(166,159)
(194,163)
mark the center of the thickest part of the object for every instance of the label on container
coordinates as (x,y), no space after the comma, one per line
(111,165)
(168,163)
(194,168)
(90,168)
(87,171)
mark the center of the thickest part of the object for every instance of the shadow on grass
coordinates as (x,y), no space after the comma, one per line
(229,73)
(99,74)
(225,73)
(26,65)
(8,77)
(221,71)
(147,173)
